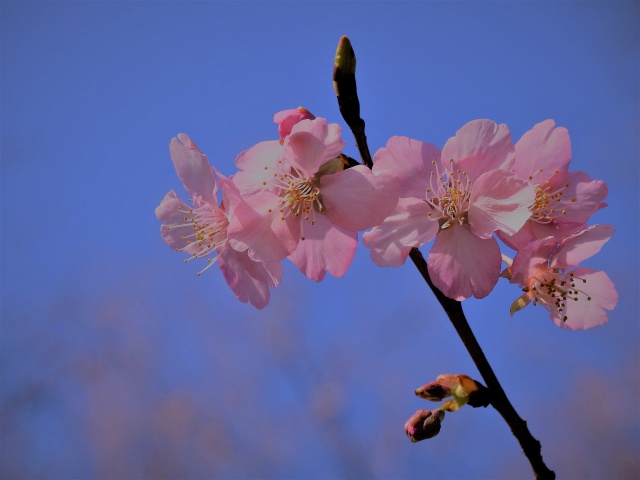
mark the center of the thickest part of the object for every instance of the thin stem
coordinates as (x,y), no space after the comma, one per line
(499,400)
(344,83)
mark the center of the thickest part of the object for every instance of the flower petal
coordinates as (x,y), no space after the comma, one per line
(499,201)
(581,198)
(408,226)
(267,272)
(326,247)
(411,161)
(535,231)
(479,146)
(584,313)
(257,225)
(530,257)
(541,151)
(244,286)
(356,199)
(311,144)
(175,230)
(193,169)
(286,119)
(462,265)
(258,166)
(581,246)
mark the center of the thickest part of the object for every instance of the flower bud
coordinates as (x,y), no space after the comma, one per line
(433,391)
(344,83)
(424,424)
(344,64)
(286,119)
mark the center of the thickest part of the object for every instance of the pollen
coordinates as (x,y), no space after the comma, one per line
(448,195)
(205,230)
(545,206)
(300,196)
(553,288)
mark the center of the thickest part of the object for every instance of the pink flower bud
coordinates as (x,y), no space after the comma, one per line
(424,424)
(433,391)
(286,119)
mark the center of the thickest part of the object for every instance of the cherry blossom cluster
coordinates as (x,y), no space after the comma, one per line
(299,197)
(291,198)
(480,185)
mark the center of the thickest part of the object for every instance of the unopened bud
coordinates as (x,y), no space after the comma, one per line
(344,83)
(433,391)
(286,119)
(344,64)
(464,390)
(424,424)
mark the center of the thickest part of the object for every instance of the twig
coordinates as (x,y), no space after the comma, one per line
(344,82)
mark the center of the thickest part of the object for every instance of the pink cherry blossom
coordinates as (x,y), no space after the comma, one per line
(460,197)
(576,298)
(301,202)
(564,200)
(286,119)
(200,230)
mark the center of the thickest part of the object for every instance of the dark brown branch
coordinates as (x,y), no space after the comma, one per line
(530,446)
(344,82)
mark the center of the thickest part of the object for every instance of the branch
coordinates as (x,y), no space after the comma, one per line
(344,82)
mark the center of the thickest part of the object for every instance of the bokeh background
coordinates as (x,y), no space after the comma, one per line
(118,362)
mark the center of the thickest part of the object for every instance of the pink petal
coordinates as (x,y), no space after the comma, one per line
(411,161)
(312,143)
(583,313)
(326,247)
(257,226)
(543,147)
(286,119)
(462,265)
(479,146)
(244,286)
(581,246)
(230,193)
(356,199)
(499,201)
(258,167)
(408,226)
(175,229)
(193,169)
(530,257)
(581,199)
(532,231)
(267,272)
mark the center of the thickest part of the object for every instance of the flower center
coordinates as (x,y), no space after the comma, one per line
(299,195)
(209,233)
(547,206)
(553,288)
(448,196)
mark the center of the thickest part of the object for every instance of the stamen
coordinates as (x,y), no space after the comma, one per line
(552,288)
(544,206)
(448,194)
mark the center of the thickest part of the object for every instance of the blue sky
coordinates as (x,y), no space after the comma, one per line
(118,361)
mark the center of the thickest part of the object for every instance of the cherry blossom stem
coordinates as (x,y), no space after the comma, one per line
(344,82)
(499,400)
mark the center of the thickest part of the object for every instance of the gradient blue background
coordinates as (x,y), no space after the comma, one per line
(118,362)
